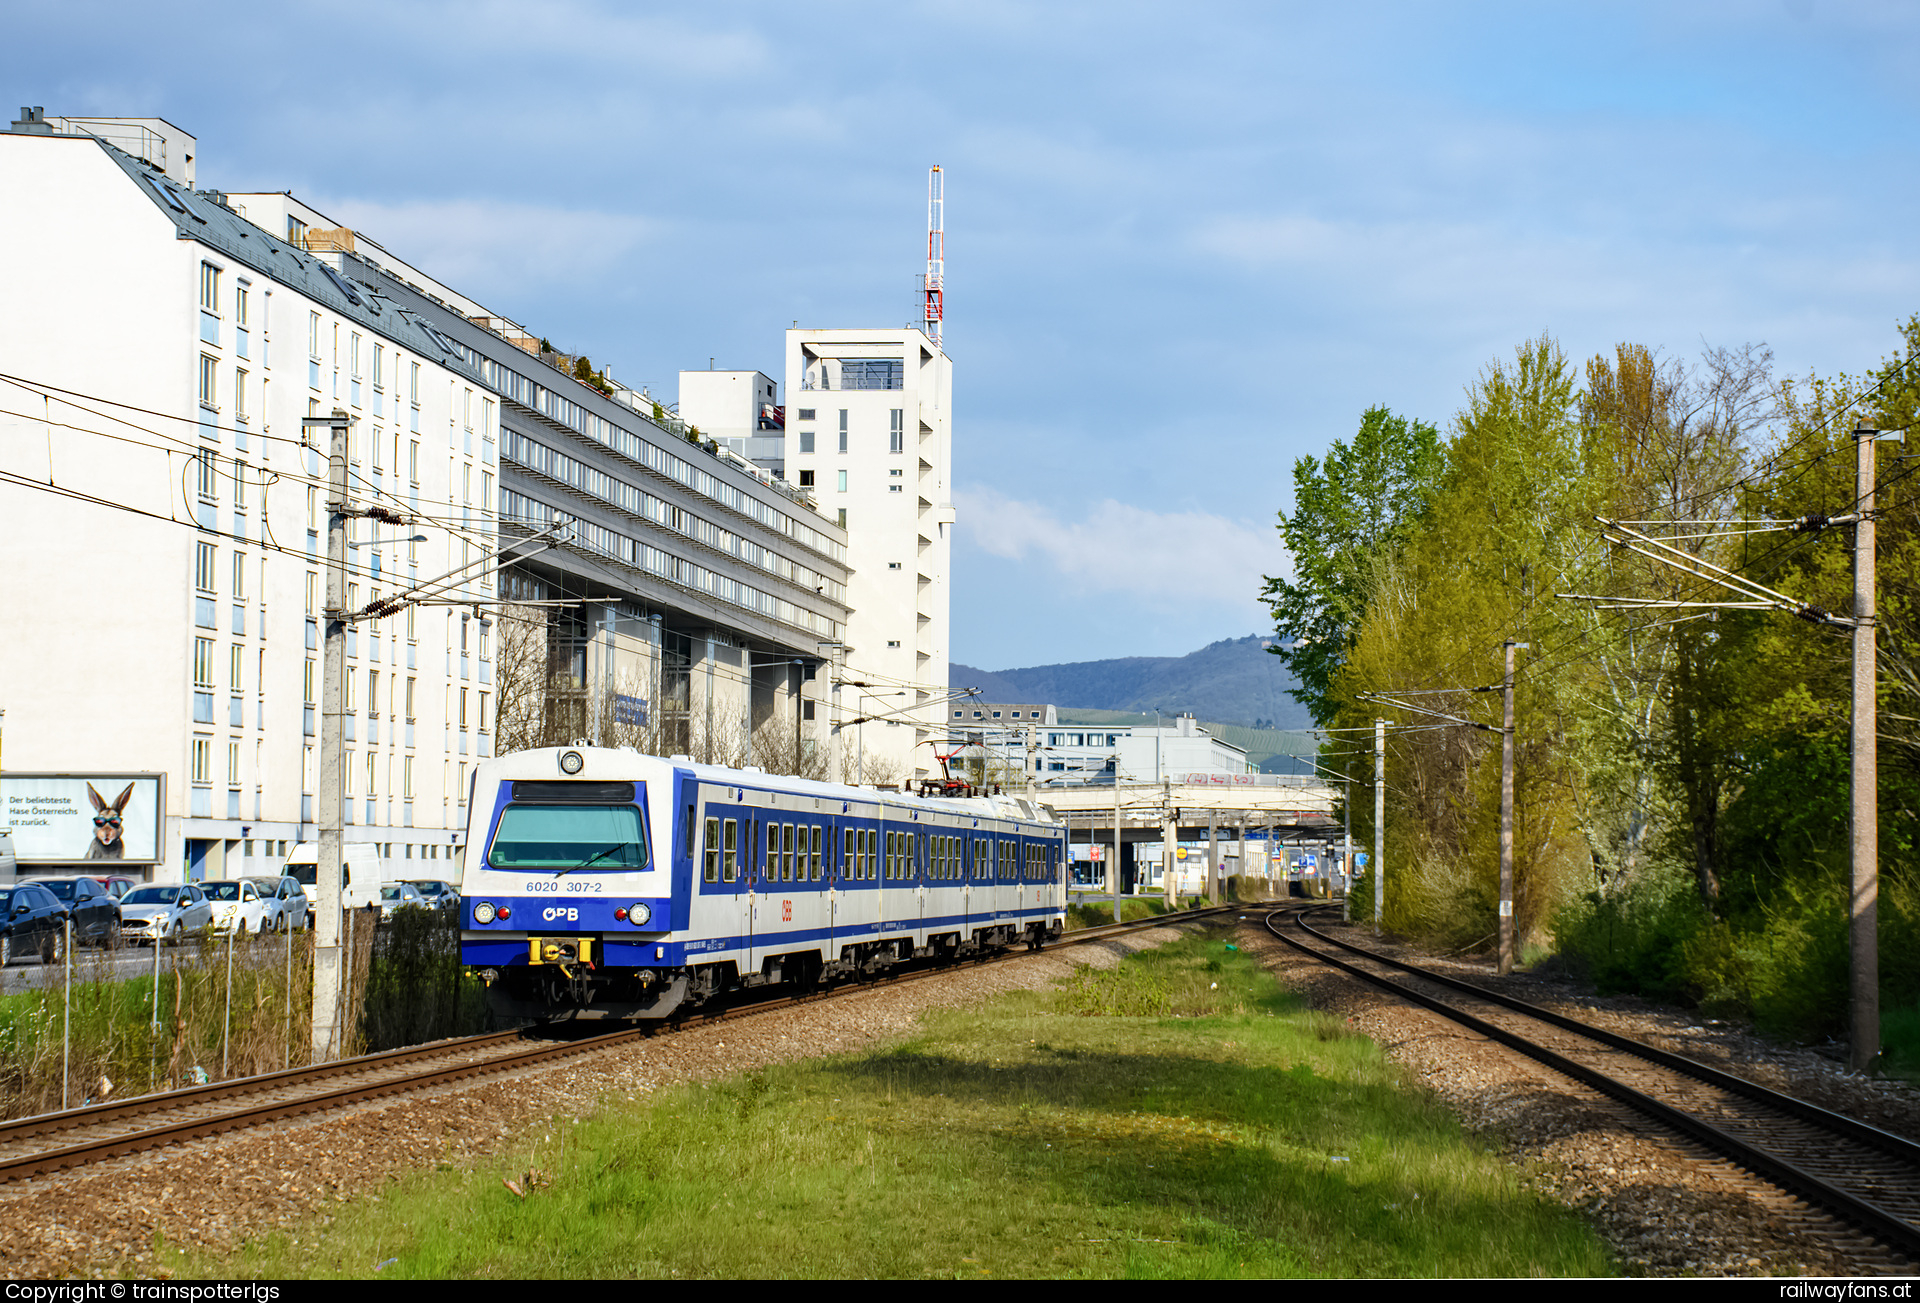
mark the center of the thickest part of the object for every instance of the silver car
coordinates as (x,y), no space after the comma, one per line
(395,896)
(163,913)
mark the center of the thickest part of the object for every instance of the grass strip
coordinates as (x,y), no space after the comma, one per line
(1177,1116)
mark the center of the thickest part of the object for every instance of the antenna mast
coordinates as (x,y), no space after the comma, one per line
(935,282)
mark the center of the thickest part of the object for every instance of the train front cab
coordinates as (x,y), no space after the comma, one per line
(572,911)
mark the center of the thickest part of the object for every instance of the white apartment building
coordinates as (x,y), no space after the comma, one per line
(741,409)
(159,353)
(869,431)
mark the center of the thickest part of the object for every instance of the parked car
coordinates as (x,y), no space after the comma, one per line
(116,886)
(96,915)
(240,906)
(162,913)
(396,896)
(291,909)
(438,893)
(32,922)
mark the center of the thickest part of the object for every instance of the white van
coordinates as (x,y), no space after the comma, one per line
(361,873)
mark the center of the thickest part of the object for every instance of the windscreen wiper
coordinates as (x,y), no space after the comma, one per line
(592,859)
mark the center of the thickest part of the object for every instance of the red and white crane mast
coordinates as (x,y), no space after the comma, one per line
(935,283)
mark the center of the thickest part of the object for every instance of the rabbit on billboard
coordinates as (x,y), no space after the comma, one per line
(106,843)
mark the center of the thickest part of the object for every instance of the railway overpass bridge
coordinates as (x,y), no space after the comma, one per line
(1217,808)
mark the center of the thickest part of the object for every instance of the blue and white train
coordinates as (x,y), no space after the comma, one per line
(606,883)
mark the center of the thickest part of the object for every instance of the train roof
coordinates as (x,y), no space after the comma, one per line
(544,762)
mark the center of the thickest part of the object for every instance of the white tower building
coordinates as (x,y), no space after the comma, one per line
(869,431)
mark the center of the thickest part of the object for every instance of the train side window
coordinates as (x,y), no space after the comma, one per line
(912,867)
(786,852)
(770,867)
(818,836)
(873,853)
(712,849)
(730,852)
(846,848)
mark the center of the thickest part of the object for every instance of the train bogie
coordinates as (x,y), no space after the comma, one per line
(605,883)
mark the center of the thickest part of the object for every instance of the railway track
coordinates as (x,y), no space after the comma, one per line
(1858,1173)
(54,1142)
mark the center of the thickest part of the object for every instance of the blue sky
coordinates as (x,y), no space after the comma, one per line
(1186,244)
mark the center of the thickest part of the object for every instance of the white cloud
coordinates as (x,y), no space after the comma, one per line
(1160,559)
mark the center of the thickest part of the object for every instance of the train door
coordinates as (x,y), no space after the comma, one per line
(752,866)
(831,890)
(810,916)
(763,924)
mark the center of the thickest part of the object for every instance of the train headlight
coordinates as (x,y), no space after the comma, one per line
(572,762)
(483,912)
(638,914)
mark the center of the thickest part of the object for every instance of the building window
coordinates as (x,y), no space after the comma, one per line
(806,441)
(843,481)
(313,336)
(203,662)
(806,479)
(240,394)
(872,373)
(203,567)
(209,382)
(210,288)
(896,430)
(208,486)
(239,575)
(240,306)
(306,683)
(203,760)
(806,414)
(843,429)
(842,522)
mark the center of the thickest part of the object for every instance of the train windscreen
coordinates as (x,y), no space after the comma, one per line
(565,838)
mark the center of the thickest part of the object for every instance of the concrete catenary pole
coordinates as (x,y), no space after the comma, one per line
(1506,820)
(1379,821)
(1113,869)
(1864,935)
(1213,857)
(1346,853)
(328,1034)
(1169,856)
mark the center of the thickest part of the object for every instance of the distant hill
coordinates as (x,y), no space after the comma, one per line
(1236,681)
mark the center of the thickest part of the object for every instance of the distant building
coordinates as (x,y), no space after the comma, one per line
(740,409)
(969,714)
(1028,737)
(869,432)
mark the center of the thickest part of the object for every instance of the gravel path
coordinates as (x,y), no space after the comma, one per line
(108,1219)
(1667,1206)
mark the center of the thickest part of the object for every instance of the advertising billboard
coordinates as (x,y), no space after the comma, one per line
(83,819)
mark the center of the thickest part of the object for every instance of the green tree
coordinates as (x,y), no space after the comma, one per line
(1350,513)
